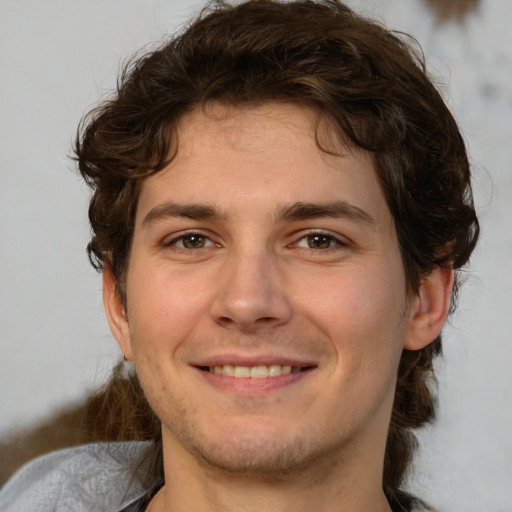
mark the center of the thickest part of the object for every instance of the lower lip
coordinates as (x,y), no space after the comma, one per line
(251,385)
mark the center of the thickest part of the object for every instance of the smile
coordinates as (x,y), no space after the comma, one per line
(254,378)
(253,372)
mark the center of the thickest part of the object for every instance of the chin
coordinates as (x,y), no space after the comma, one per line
(256,453)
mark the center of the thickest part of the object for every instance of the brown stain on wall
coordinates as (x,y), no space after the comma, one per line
(453,10)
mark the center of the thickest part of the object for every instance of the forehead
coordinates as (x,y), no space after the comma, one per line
(263,157)
(256,129)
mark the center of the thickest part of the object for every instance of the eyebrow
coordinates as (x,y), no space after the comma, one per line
(191,211)
(336,209)
(295,211)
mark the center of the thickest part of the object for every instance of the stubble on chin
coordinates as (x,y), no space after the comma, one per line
(257,456)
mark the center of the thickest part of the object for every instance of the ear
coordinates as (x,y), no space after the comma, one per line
(116,313)
(429,308)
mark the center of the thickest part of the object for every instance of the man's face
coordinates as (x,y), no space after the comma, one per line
(256,253)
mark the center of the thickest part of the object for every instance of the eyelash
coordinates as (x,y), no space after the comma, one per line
(184,236)
(333,241)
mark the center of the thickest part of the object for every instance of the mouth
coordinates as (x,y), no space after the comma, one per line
(254,372)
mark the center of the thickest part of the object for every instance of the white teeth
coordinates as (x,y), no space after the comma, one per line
(227,370)
(243,372)
(254,372)
(259,372)
(274,370)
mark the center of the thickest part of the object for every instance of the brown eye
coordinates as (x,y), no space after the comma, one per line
(190,241)
(319,241)
(193,241)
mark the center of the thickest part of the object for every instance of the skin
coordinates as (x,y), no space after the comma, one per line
(229,267)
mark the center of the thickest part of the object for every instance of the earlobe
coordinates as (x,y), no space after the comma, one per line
(429,309)
(116,314)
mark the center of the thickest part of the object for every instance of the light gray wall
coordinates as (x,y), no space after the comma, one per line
(57,56)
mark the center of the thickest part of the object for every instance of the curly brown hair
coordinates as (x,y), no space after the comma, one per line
(370,81)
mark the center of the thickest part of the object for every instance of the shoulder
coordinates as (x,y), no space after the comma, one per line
(96,477)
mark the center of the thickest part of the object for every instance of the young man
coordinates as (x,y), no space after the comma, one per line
(281,203)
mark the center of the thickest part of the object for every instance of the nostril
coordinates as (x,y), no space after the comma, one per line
(264,321)
(225,320)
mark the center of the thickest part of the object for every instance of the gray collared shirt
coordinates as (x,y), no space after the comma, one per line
(99,477)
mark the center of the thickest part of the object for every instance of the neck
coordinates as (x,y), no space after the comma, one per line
(331,485)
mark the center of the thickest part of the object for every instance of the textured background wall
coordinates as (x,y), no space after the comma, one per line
(56,57)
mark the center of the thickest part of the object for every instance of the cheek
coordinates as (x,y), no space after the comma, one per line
(164,309)
(363,320)
(362,314)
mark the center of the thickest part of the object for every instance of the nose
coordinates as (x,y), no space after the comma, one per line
(251,294)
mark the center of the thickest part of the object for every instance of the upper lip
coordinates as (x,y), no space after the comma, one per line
(261,360)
